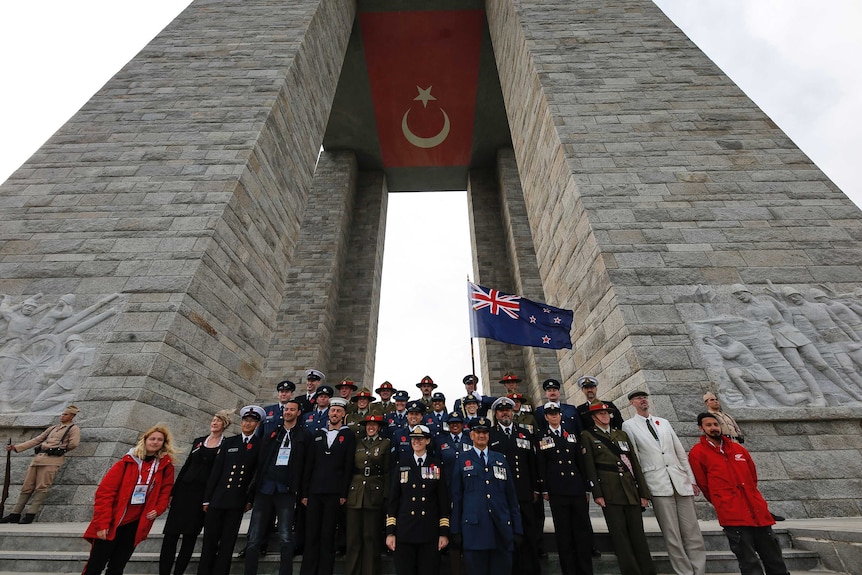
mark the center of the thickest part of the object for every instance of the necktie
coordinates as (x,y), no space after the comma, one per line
(482,455)
(651,429)
(245,440)
(420,461)
(456,440)
(557,432)
(508,431)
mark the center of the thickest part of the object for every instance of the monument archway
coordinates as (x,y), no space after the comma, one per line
(612,169)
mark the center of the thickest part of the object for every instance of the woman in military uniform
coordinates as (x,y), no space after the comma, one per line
(619,488)
(366,498)
(417,515)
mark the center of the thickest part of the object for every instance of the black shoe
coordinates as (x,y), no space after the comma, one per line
(263,550)
(297,551)
(28,518)
(11,518)
(596,553)
(777,517)
(241,554)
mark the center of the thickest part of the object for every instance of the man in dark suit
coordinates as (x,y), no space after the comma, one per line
(485,514)
(277,484)
(564,484)
(226,497)
(451,445)
(326,483)
(417,516)
(589,386)
(516,445)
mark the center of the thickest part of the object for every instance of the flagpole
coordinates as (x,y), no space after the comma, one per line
(472,354)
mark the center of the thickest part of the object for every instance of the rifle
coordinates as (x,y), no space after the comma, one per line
(7,478)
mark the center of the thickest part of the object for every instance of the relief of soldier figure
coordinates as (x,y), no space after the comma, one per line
(782,347)
(43,354)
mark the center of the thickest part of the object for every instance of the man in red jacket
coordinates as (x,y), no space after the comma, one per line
(727,477)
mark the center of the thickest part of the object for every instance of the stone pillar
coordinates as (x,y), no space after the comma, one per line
(307,320)
(652,184)
(539,364)
(180,186)
(355,344)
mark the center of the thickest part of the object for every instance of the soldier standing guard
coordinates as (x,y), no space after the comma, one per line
(369,490)
(417,516)
(51,447)
(226,497)
(619,488)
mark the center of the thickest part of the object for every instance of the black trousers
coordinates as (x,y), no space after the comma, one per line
(526,558)
(221,527)
(573,532)
(114,553)
(169,558)
(488,562)
(749,542)
(416,558)
(322,517)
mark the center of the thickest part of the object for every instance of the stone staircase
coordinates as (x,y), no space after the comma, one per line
(58,548)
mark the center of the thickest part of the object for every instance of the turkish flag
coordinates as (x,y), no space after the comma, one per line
(423,68)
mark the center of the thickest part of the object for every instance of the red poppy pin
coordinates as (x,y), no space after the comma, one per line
(340,439)
(271,435)
(656,422)
(565,433)
(270,413)
(520,435)
(467,463)
(248,445)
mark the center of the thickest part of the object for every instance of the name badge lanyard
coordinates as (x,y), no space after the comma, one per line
(139,495)
(283,456)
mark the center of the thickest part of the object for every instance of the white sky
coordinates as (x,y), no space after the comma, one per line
(797,59)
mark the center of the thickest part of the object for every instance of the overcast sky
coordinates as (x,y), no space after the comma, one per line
(797,59)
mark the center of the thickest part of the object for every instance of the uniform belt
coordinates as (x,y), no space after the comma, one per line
(374,471)
(612,468)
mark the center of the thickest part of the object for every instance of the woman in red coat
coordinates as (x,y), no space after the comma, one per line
(132,494)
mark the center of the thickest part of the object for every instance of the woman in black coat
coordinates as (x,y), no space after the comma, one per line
(186,516)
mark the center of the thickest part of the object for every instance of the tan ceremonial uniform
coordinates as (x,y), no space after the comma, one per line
(43,468)
(728,426)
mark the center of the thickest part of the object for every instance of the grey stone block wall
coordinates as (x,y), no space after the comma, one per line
(646,172)
(181,185)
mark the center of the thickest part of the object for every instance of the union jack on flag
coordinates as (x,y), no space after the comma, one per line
(496,300)
(517,320)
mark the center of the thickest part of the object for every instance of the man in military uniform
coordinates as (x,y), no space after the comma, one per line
(525,419)
(417,516)
(564,485)
(427,387)
(589,386)
(277,484)
(318,417)
(451,445)
(436,417)
(273,418)
(483,403)
(570,420)
(361,403)
(729,427)
(385,405)
(396,419)
(226,497)
(401,444)
(326,484)
(486,518)
(510,381)
(345,389)
(52,446)
(619,488)
(369,490)
(516,445)
(313,379)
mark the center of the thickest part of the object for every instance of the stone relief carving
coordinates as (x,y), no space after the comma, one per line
(775,347)
(43,359)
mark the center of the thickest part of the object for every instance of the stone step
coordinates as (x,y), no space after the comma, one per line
(142,562)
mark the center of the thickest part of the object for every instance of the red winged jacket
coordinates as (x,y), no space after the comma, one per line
(115,492)
(727,477)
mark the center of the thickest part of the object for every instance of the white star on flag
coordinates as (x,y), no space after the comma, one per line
(546,340)
(532,319)
(424,96)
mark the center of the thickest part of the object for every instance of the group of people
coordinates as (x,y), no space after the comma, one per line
(328,468)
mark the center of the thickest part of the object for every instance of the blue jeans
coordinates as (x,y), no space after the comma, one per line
(284,505)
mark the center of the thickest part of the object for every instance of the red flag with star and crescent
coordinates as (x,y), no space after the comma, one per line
(423,68)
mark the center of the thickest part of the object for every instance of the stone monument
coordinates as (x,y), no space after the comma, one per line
(611,168)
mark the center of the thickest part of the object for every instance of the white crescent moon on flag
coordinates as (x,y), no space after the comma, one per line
(420,142)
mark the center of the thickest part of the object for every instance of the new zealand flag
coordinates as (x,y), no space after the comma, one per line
(517,320)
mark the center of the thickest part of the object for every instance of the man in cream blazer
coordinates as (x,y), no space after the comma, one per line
(671,482)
